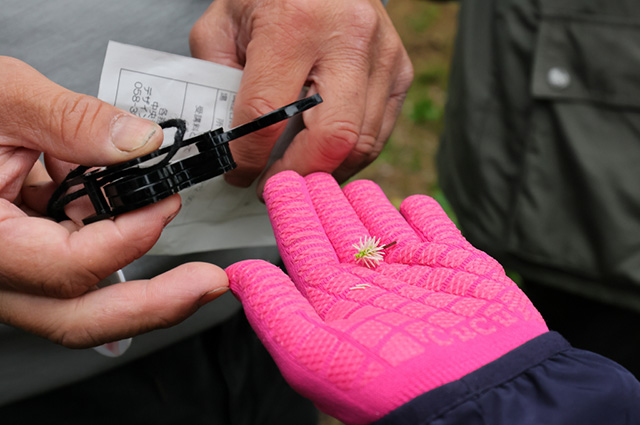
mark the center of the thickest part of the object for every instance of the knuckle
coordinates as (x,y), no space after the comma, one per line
(198,30)
(364,20)
(339,141)
(368,147)
(345,135)
(68,337)
(353,18)
(61,290)
(9,62)
(132,244)
(201,31)
(301,12)
(75,336)
(256,107)
(365,152)
(406,72)
(394,60)
(367,16)
(67,286)
(70,332)
(76,112)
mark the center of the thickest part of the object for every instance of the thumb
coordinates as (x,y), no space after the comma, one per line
(279,314)
(43,116)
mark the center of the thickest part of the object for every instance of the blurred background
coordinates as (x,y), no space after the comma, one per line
(406,166)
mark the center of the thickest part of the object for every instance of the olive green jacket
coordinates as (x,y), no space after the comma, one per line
(540,156)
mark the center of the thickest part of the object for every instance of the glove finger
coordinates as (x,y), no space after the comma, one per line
(428,219)
(378,215)
(341,224)
(330,359)
(307,251)
(303,345)
(423,238)
(272,304)
(280,315)
(301,239)
(383,220)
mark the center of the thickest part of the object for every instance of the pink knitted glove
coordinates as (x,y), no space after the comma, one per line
(362,341)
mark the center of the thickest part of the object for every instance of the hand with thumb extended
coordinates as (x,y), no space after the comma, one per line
(48,270)
(361,337)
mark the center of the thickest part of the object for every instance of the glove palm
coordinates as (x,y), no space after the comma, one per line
(361,341)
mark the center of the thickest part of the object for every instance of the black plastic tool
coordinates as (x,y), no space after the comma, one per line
(124,187)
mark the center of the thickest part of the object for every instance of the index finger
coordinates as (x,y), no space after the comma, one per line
(274,74)
(60,260)
(117,311)
(302,241)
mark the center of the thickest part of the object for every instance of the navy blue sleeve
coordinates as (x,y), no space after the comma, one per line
(545,381)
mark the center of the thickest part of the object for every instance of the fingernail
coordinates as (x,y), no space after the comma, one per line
(171,217)
(212,295)
(130,133)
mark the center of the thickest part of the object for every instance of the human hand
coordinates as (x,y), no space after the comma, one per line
(349,52)
(359,341)
(48,270)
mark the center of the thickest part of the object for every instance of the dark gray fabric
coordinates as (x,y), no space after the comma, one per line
(223,376)
(540,153)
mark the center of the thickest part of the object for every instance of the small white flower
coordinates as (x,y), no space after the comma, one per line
(370,253)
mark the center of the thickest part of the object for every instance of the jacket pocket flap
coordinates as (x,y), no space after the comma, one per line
(588,58)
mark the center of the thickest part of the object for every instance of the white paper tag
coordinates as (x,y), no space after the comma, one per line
(159,86)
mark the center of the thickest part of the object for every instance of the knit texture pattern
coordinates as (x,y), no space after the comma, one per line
(361,341)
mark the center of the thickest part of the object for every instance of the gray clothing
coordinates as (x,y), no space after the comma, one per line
(66,41)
